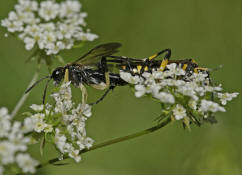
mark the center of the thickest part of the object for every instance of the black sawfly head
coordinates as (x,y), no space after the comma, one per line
(58,74)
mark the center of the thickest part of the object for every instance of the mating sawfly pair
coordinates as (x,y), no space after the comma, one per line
(92,68)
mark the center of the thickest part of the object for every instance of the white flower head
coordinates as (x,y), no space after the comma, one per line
(51,26)
(75,155)
(224,97)
(199,77)
(48,128)
(40,126)
(5,127)
(26,163)
(3,111)
(179,112)
(60,141)
(37,108)
(210,106)
(129,78)
(175,69)
(38,116)
(48,10)
(7,151)
(192,104)
(69,8)
(5,123)
(13,141)
(88,142)
(68,127)
(26,6)
(12,26)
(181,93)
(140,90)
(86,110)
(165,97)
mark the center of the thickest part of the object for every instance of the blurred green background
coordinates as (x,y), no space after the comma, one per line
(209,31)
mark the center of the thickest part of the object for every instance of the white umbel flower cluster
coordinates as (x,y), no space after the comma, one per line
(48,25)
(63,122)
(13,145)
(183,97)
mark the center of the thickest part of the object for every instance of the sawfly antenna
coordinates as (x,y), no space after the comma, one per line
(37,82)
(216,68)
(46,85)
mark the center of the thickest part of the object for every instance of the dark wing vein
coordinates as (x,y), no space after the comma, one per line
(99,51)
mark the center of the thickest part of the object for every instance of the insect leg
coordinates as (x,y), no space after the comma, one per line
(104,95)
(151,58)
(32,86)
(104,70)
(45,90)
(84,93)
(167,55)
(66,76)
(123,60)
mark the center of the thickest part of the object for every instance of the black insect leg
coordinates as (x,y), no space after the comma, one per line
(167,55)
(37,82)
(45,90)
(125,61)
(151,58)
(144,65)
(104,95)
(122,60)
(104,69)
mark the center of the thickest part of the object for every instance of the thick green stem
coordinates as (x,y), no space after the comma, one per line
(24,96)
(113,141)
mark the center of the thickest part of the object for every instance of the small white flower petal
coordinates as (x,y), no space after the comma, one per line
(179,112)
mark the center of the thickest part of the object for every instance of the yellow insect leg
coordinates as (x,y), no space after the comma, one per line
(200,69)
(139,67)
(66,77)
(193,61)
(84,93)
(184,67)
(152,57)
(163,64)
(107,78)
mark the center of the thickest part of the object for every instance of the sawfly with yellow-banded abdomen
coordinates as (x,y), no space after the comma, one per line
(138,66)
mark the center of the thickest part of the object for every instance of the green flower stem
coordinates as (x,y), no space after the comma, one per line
(113,141)
(24,97)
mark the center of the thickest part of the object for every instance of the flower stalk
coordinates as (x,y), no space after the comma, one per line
(112,141)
